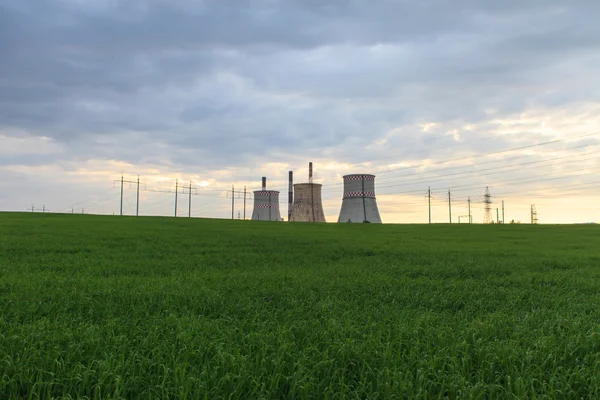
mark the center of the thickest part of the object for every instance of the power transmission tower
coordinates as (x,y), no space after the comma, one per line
(183,191)
(137,197)
(189,190)
(239,194)
(487,217)
(534,216)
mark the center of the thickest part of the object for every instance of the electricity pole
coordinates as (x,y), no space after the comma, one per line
(429,197)
(122,181)
(137,198)
(502,211)
(450,205)
(470,218)
(190,201)
(176,190)
(121,209)
(240,195)
(497,216)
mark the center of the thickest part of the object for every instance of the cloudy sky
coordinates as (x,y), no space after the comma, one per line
(452,95)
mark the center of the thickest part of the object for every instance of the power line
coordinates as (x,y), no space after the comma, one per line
(496,152)
(575,158)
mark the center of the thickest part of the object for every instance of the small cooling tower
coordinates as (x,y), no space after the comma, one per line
(308,206)
(359,204)
(266,204)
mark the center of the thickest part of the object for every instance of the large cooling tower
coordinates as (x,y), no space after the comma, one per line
(308,206)
(266,204)
(359,204)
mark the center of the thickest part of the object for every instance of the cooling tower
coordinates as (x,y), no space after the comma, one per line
(358,203)
(266,204)
(308,206)
(307,203)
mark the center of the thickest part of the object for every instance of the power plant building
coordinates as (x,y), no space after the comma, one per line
(307,206)
(266,204)
(359,203)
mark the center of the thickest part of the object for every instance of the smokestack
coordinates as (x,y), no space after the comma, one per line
(290,195)
(310,175)
(264,183)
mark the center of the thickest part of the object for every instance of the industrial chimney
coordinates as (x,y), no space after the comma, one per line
(266,204)
(290,195)
(308,206)
(359,203)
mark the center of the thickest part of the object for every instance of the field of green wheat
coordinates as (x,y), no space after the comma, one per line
(124,307)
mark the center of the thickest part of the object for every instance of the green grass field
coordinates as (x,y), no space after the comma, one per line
(125,307)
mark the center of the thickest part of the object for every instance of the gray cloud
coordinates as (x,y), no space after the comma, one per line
(203,85)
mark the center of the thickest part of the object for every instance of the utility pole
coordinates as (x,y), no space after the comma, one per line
(121,208)
(470,217)
(32,208)
(137,198)
(450,205)
(122,181)
(44,208)
(82,210)
(497,216)
(240,195)
(176,190)
(190,201)
(429,197)
(502,211)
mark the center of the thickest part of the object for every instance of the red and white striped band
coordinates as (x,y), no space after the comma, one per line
(359,194)
(359,177)
(265,192)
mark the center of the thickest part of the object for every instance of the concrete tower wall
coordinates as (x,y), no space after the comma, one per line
(266,206)
(308,206)
(359,203)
